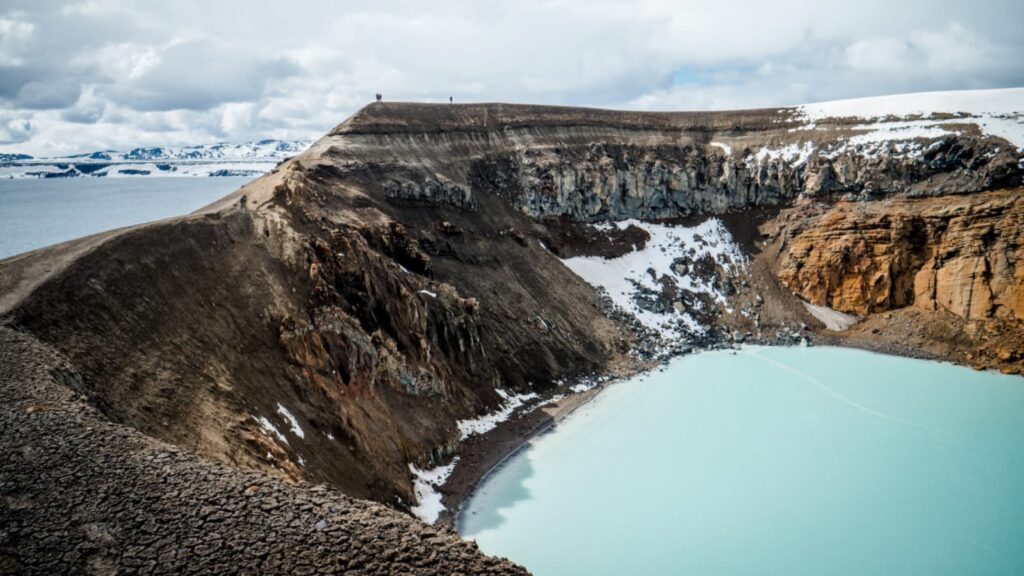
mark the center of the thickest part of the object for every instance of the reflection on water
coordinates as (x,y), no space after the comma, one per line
(508,489)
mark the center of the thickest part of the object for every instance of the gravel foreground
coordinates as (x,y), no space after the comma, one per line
(82,495)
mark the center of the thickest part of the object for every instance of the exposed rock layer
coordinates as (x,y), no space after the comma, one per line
(964,255)
(613,182)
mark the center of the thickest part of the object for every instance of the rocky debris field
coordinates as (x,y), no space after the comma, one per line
(82,495)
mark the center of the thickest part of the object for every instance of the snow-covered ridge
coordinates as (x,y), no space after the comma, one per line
(222,159)
(969,102)
(928,114)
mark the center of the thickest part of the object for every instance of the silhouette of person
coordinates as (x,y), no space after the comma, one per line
(451,99)
(379,97)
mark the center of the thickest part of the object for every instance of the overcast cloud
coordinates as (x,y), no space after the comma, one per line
(97,74)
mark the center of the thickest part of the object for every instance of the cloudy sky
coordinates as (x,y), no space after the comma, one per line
(98,74)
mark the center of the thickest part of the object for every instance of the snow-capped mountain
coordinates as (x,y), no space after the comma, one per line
(222,159)
(262,149)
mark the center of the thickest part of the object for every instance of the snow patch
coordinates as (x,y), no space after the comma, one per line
(724,147)
(832,319)
(269,428)
(627,276)
(795,154)
(429,293)
(296,429)
(425,484)
(973,102)
(891,131)
(488,422)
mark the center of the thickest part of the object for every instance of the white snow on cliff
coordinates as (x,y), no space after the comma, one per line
(973,102)
(791,154)
(425,484)
(626,277)
(269,428)
(487,422)
(292,421)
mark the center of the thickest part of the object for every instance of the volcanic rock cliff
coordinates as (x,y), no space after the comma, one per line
(335,320)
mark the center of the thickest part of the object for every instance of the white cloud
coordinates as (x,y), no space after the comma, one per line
(120,62)
(14,34)
(87,110)
(155,73)
(951,51)
(14,129)
(237,117)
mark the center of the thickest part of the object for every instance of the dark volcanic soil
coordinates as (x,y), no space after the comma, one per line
(80,495)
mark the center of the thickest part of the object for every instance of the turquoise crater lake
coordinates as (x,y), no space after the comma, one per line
(771,461)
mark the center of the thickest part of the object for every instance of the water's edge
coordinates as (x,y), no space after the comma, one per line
(491,444)
(782,465)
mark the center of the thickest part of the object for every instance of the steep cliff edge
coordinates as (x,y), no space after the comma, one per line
(354,316)
(962,257)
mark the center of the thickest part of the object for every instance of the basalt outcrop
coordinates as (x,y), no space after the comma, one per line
(616,182)
(333,321)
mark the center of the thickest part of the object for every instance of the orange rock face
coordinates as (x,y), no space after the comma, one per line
(964,255)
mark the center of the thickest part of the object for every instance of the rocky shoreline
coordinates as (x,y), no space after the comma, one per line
(484,454)
(481,455)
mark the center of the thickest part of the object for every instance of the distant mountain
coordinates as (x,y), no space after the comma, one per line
(222,159)
(262,149)
(14,157)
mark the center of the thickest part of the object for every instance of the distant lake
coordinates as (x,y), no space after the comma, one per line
(795,461)
(38,213)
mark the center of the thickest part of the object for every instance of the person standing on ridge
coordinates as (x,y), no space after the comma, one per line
(379,97)
(451,99)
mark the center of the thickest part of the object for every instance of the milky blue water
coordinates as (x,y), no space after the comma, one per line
(36,213)
(793,461)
